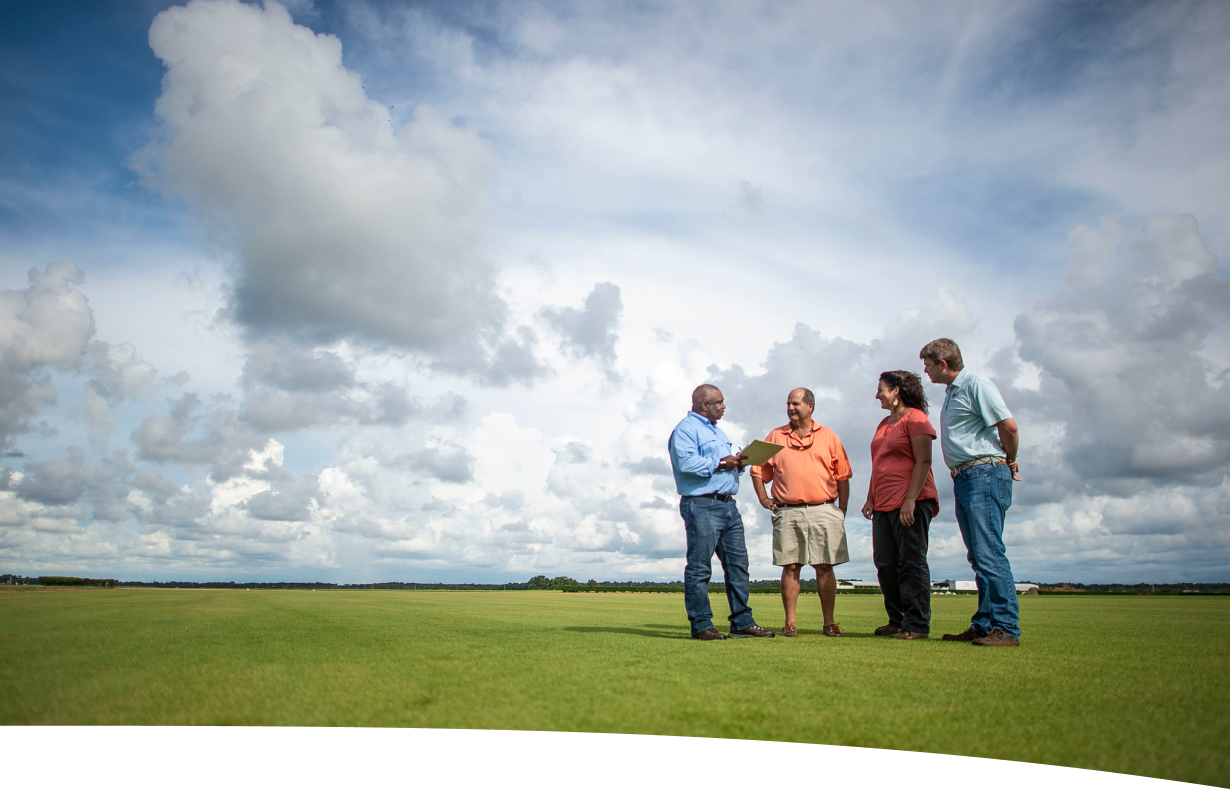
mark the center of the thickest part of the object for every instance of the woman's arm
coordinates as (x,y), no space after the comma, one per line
(869,507)
(921,447)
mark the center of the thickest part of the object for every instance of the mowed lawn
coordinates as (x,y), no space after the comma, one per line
(1138,685)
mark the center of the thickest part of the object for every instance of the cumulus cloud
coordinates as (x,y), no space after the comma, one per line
(194,434)
(290,386)
(445,463)
(1120,359)
(590,332)
(45,327)
(343,224)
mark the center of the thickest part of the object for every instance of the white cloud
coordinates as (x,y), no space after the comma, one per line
(46,326)
(342,225)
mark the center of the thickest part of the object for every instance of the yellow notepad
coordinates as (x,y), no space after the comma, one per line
(758,453)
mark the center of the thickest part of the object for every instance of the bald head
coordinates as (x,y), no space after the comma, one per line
(705,393)
(708,402)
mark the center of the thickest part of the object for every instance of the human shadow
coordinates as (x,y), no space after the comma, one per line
(644,631)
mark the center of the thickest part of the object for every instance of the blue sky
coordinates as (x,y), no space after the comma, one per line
(399,291)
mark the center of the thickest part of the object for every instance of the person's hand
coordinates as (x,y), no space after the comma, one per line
(868,510)
(1015,468)
(768,503)
(729,463)
(907,512)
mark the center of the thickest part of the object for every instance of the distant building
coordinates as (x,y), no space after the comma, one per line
(949,586)
(858,585)
(17,580)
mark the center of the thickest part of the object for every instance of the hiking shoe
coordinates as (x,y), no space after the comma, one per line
(968,634)
(910,635)
(997,638)
(791,630)
(887,630)
(755,631)
(709,635)
(834,630)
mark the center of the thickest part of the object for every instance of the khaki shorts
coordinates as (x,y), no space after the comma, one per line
(810,535)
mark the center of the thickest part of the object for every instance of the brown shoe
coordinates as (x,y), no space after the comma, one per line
(968,634)
(709,635)
(887,630)
(834,630)
(910,635)
(996,638)
(791,630)
(755,631)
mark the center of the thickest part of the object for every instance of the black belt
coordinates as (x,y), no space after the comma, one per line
(719,496)
(821,504)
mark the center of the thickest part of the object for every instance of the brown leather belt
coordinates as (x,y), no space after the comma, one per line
(821,504)
(718,496)
(982,461)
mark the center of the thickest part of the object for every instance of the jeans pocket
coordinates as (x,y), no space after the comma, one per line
(1005,492)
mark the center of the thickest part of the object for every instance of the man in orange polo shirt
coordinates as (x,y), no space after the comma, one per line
(811,488)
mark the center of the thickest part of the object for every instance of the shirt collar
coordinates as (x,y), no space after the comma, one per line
(958,381)
(702,418)
(787,428)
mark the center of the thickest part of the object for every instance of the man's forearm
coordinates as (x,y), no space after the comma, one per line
(843,494)
(1010,437)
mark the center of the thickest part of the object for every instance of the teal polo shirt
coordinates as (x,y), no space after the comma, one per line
(973,407)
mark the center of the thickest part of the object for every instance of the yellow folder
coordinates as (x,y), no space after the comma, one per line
(758,453)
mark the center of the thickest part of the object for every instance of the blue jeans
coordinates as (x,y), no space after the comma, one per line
(984,494)
(714,526)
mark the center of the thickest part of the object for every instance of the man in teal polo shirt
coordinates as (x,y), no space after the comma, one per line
(979,439)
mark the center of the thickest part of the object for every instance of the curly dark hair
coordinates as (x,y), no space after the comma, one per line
(910,388)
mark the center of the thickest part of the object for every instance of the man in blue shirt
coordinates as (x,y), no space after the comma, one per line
(707,478)
(980,440)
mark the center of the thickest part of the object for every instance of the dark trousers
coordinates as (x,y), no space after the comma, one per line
(901,563)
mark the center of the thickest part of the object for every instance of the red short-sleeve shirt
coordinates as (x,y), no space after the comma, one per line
(892,461)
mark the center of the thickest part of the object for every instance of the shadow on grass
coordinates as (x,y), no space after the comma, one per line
(645,631)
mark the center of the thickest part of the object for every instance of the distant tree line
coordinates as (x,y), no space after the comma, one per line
(319,585)
(568,584)
(1136,589)
(543,582)
(65,580)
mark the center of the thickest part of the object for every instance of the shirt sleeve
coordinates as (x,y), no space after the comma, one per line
(685,454)
(841,463)
(920,426)
(989,402)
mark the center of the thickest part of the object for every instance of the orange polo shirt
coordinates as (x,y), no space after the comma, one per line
(806,471)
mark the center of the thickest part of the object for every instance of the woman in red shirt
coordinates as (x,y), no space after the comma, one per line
(901,501)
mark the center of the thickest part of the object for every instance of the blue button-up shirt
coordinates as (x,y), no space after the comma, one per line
(973,407)
(696,448)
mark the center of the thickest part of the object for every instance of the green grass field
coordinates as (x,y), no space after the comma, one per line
(1136,685)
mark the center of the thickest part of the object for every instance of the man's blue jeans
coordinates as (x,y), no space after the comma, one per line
(714,527)
(984,494)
